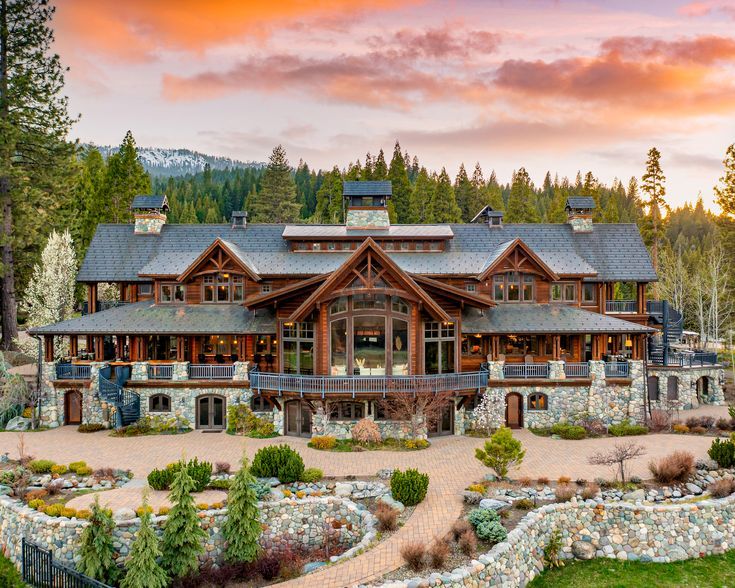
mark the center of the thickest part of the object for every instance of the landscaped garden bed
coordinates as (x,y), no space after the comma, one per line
(154,425)
(329,443)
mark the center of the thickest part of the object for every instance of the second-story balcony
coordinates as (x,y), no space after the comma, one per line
(621,306)
(71,371)
(325,386)
(208,371)
(684,358)
(526,370)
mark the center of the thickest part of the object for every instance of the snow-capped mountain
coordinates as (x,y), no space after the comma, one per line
(178,162)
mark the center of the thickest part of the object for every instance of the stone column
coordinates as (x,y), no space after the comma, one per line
(51,403)
(279,420)
(91,401)
(241,371)
(496,370)
(460,424)
(597,403)
(636,400)
(180,371)
(139,370)
(556,370)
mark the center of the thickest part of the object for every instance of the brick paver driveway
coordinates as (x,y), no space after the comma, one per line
(449,462)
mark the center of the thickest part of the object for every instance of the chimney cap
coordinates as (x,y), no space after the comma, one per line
(239,214)
(487,213)
(580,203)
(150,202)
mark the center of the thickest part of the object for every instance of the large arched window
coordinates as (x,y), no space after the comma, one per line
(672,388)
(159,403)
(369,334)
(652,385)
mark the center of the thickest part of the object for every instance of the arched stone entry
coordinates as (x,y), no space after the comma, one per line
(211,411)
(703,390)
(514,410)
(73,407)
(298,419)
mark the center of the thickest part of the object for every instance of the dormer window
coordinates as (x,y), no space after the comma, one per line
(172,293)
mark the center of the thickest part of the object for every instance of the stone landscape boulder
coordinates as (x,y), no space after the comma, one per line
(583,550)
(18,424)
(494,504)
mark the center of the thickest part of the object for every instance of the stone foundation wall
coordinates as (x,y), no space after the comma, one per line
(286,524)
(686,396)
(617,530)
(183,400)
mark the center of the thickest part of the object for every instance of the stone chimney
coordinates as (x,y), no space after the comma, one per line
(367,204)
(239,219)
(149,211)
(579,213)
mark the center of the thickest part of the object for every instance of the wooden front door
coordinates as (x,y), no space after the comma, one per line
(298,419)
(210,412)
(73,407)
(444,425)
(514,410)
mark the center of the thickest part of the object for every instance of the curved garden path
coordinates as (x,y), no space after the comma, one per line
(449,462)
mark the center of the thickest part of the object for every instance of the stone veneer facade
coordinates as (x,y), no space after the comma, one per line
(686,389)
(288,523)
(149,223)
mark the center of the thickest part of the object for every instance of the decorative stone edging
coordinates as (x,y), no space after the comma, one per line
(660,533)
(286,523)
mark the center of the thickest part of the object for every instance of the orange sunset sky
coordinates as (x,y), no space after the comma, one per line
(550,85)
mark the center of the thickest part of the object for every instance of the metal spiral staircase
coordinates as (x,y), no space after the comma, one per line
(672,327)
(126,402)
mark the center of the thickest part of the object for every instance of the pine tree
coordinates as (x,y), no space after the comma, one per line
(329,200)
(276,202)
(212,217)
(556,212)
(183,536)
(400,185)
(652,183)
(242,528)
(36,161)
(444,203)
(142,569)
(495,193)
(87,206)
(49,297)
(96,548)
(367,171)
(520,203)
(380,171)
(725,190)
(591,188)
(465,194)
(126,178)
(422,199)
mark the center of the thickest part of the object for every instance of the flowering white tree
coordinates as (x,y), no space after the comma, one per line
(485,414)
(49,297)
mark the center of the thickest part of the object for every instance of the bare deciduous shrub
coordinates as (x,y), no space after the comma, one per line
(414,554)
(387,517)
(459,528)
(676,467)
(543,480)
(659,421)
(525,481)
(590,491)
(55,487)
(698,430)
(721,488)
(366,432)
(618,457)
(724,424)
(564,492)
(468,543)
(438,553)
(563,480)
(222,467)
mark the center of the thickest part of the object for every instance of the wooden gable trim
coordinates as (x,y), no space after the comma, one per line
(369,246)
(454,293)
(513,248)
(260,300)
(206,255)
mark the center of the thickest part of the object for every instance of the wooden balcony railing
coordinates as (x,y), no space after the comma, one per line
(211,372)
(70,371)
(621,306)
(526,370)
(354,385)
(162,371)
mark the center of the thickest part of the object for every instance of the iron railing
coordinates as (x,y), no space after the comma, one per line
(655,306)
(126,402)
(40,570)
(354,385)
(577,370)
(621,306)
(526,370)
(616,369)
(205,371)
(160,371)
(72,371)
(684,358)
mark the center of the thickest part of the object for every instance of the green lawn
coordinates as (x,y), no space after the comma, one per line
(707,572)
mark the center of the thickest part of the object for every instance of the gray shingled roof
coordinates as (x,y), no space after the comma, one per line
(167,319)
(381,188)
(577,202)
(543,318)
(147,201)
(615,251)
(394,232)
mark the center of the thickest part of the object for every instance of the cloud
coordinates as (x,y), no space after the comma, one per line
(446,42)
(698,9)
(138,30)
(632,76)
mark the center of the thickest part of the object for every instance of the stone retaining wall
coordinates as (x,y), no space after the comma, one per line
(309,522)
(686,386)
(615,530)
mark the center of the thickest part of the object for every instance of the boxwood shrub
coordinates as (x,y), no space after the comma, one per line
(201,472)
(278,461)
(626,429)
(409,487)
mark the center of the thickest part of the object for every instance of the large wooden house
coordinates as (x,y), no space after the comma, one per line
(548,320)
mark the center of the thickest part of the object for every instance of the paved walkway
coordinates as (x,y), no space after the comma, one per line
(449,462)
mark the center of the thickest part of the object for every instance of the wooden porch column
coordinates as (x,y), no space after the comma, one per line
(91,298)
(602,295)
(242,347)
(495,347)
(90,343)
(415,345)
(99,348)
(120,351)
(48,348)
(556,347)
(180,347)
(249,351)
(598,345)
(73,345)
(641,298)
